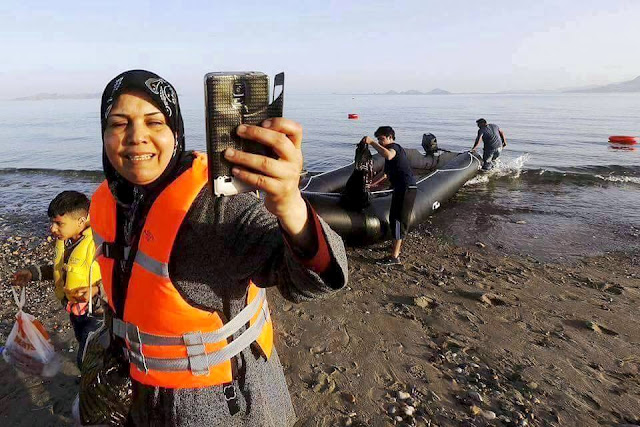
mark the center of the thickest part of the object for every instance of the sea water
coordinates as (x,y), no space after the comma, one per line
(560,190)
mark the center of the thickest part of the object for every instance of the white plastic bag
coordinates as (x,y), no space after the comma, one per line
(28,346)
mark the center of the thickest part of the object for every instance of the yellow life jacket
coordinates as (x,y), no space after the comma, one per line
(76,272)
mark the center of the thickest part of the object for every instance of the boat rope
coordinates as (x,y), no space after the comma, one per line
(471,159)
(323,173)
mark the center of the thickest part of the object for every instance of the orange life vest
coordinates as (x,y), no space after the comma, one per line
(169,342)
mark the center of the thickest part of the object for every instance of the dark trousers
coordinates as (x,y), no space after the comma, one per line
(82,327)
(489,155)
(401,208)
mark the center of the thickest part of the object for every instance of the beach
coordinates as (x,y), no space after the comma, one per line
(516,304)
(515,300)
(460,334)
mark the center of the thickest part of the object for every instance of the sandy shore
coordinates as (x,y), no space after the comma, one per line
(456,336)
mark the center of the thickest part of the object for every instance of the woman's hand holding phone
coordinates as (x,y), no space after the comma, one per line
(277,178)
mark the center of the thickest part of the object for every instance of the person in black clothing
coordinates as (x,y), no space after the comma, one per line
(398,170)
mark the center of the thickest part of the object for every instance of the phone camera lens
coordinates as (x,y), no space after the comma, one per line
(238,89)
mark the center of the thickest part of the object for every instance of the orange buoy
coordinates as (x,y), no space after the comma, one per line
(353,116)
(620,139)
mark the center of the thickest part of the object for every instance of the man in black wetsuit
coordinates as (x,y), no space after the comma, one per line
(494,141)
(398,170)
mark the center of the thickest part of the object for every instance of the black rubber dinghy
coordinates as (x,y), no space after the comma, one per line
(439,176)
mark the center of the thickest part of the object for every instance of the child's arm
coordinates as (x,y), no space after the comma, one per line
(82,294)
(41,272)
(382,150)
(33,273)
(378,179)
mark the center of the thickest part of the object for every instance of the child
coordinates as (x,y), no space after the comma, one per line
(75,274)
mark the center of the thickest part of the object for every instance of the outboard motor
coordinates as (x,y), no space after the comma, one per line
(429,143)
(356,195)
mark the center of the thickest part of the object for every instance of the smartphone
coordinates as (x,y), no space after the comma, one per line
(231,99)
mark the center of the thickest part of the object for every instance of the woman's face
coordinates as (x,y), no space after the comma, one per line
(138,142)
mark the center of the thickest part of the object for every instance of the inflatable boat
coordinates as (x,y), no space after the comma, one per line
(439,175)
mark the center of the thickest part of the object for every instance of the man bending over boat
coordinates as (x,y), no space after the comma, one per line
(494,141)
(398,169)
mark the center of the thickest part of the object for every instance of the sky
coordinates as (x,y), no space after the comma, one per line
(323,46)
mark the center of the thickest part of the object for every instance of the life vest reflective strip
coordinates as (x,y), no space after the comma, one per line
(198,361)
(169,342)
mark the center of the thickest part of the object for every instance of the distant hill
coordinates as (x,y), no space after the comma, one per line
(416,92)
(46,96)
(527,92)
(628,86)
(545,91)
(437,91)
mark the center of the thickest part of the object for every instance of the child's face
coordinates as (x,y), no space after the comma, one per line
(384,140)
(67,226)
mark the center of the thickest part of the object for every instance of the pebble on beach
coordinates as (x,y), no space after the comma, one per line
(403,395)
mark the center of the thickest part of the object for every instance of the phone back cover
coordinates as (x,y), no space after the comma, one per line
(224,115)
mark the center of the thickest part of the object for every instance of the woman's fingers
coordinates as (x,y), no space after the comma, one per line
(278,178)
(285,145)
(284,137)
(292,129)
(261,182)
(259,163)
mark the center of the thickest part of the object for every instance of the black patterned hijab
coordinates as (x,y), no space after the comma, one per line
(130,196)
(163,96)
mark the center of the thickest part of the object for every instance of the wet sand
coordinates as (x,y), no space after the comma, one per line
(458,335)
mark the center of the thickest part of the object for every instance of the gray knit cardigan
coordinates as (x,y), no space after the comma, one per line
(222,243)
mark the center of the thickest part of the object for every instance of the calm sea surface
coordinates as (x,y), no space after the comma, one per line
(561,190)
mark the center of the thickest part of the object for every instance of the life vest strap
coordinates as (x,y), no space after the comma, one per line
(198,361)
(110,249)
(120,252)
(130,332)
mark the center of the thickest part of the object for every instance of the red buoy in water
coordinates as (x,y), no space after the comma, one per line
(620,139)
(353,116)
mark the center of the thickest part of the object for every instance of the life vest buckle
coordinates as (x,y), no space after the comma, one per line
(138,344)
(119,328)
(197,353)
(115,251)
(133,352)
(229,392)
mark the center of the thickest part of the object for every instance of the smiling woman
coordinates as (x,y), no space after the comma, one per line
(137,140)
(187,272)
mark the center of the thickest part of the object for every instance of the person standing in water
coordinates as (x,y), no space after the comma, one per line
(398,169)
(494,141)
